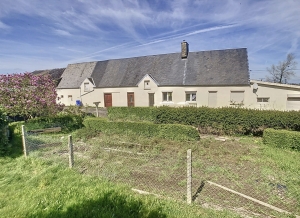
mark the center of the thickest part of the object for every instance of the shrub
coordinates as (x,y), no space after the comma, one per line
(282,138)
(67,122)
(147,129)
(225,120)
(16,133)
(131,113)
(3,132)
(86,133)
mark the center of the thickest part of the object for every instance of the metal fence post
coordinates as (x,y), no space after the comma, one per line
(24,141)
(71,154)
(189,177)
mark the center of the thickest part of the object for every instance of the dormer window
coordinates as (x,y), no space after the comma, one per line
(147,85)
(86,87)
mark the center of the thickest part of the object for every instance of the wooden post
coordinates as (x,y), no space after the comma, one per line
(71,154)
(24,141)
(189,176)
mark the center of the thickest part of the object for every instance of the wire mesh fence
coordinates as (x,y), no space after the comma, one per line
(138,166)
(222,175)
(226,176)
(142,167)
(50,146)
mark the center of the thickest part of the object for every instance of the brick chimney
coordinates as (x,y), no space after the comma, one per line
(184,49)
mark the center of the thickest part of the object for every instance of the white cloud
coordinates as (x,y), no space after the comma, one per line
(3,26)
(62,32)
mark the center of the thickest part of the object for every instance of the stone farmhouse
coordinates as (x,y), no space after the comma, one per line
(218,78)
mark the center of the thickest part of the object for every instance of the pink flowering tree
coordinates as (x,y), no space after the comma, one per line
(28,95)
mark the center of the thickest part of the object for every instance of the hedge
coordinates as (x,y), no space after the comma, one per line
(131,113)
(67,122)
(169,131)
(227,120)
(3,132)
(282,138)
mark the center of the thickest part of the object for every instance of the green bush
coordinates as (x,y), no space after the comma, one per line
(227,120)
(16,133)
(282,138)
(3,132)
(68,122)
(86,133)
(147,129)
(131,113)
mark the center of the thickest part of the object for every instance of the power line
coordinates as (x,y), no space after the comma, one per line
(266,70)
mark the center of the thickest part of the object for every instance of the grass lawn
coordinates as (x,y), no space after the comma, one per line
(34,187)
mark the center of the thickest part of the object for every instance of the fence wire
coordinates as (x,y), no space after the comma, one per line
(135,165)
(51,147)
(234,179)
(164,172)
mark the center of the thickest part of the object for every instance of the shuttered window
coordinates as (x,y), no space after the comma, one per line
(212,99)
(236,97)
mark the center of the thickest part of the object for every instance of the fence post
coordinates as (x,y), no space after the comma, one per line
(189,176)
(24,141)
(71,154)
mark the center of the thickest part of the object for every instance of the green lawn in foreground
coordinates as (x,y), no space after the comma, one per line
(35,188)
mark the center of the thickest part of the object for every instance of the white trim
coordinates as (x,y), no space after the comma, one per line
(293,95)
(147,75)
(274,84)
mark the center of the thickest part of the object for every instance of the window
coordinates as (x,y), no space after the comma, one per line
(190,96)
(70,97)
(236,97)
(147,84)
(167,96)
(61,96)
(86,87)
(262,99)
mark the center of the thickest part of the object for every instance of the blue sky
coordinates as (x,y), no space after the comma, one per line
(39,34)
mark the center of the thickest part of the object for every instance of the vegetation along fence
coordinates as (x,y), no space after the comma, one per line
(212,173)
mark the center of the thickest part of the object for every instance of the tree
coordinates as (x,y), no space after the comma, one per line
(28,95)
(283,71)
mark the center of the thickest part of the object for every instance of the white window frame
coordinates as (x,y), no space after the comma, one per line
(147,85)
(169,94)
(191,94)
(86,87)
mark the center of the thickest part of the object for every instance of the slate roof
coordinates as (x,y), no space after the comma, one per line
(203,68)
(54,73)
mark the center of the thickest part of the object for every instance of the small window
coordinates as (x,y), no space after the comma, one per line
(262,99)
(61,96)
(86,87)
(70,97)
(147,84)
(190,96)
(167,96)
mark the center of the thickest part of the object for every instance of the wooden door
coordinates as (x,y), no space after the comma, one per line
(107,100)
(130,99)
(151,99)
